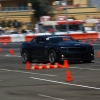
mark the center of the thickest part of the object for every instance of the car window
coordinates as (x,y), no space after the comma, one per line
(34,40)
(59,39)
(40,40)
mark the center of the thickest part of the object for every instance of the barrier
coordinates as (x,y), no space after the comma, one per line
(27,38)
(18,38)
(5,39)
(84,36)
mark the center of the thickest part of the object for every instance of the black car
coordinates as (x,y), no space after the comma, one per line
(55,48)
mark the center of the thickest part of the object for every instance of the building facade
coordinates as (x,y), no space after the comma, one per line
(21,10)
(77,10)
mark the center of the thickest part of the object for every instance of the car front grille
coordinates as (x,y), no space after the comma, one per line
(78,49)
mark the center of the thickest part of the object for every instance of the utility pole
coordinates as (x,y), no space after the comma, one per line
(67,25)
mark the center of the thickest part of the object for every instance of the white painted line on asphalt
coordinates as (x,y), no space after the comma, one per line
(95,44)
(17,71)
(86,68)
(83,86)
(8,55)
(46,96)
(13,49)
(97,61)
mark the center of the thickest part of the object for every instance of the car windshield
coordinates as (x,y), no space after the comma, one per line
(59,39)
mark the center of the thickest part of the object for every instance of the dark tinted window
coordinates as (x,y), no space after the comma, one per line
(59,39)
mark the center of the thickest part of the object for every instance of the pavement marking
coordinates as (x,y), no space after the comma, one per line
(13,49)
(97,61)
(77,85)
(86,68)
(95,44)
(8,55)
(17,71)
(46,96)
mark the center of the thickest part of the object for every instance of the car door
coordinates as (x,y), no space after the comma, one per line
(40,47)
(34,47)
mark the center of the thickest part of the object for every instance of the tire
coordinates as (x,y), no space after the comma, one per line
(87,61)
(52,56)
(25,57)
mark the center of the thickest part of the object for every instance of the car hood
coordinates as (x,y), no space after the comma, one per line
(72,44)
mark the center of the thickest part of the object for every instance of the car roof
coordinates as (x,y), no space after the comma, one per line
(45,36)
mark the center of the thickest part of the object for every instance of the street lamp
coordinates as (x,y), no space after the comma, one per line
(67,25)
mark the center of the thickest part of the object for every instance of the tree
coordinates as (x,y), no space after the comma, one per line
(41,7)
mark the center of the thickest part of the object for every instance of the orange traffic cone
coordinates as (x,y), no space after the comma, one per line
(44,66)
(66,64)
(0,49)
(52,66)
(68,76)
(11,51)
(27,66)
(48,65)
(36,67)
(98,54)
(58,65)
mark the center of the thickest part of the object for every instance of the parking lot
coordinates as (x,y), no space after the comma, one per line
(16,83)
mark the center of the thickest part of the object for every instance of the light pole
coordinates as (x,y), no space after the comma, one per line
(67,25)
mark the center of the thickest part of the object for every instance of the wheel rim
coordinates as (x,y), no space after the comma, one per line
(24,57)
(51,57)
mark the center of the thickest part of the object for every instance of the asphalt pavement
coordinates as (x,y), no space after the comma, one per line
(16,83)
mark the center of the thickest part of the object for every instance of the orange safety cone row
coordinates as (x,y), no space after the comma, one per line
(48,65)
(28,66)
(58,65)
(36,67)
(52,66)
(68,76)
(98,54)
(66,64)
(44,66)
(0,49)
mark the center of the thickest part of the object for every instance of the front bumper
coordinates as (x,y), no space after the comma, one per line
(75,56)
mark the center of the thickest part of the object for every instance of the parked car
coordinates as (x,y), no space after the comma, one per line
(56,48)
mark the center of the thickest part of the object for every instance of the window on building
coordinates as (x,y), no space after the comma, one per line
(22,5)
(70,2)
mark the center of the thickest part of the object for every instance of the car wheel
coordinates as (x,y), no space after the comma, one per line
(52,56)
(87,61)
(25,57)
